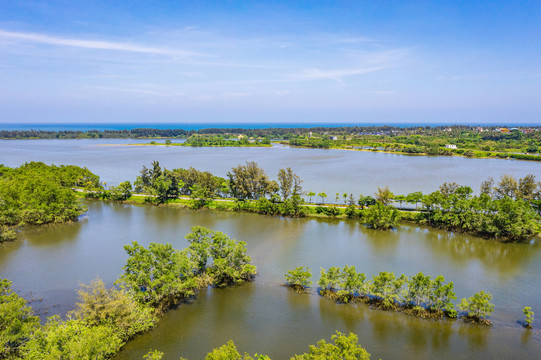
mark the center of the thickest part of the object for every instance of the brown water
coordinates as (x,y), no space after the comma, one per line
(49,263)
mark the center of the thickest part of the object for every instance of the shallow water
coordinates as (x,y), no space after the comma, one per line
(50,262)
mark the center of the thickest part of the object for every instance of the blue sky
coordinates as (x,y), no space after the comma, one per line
(281,61)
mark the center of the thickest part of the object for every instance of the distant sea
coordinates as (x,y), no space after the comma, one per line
(198,126)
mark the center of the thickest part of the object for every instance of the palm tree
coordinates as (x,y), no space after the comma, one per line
(323,196)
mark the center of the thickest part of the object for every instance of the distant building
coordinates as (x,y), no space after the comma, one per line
(527,131)
(450,146)
(310,134)
(504,130)
(333,137)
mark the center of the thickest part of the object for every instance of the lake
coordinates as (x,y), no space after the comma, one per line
(50,262)
(330,171)
(47,264)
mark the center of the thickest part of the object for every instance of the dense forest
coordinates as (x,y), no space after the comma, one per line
(36,194)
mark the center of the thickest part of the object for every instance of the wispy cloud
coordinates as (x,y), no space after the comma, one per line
(93,44)
(337,74)
(381,92)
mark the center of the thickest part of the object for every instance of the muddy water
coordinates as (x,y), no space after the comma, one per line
(50,262)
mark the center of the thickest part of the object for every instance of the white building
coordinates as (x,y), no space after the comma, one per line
(450,146)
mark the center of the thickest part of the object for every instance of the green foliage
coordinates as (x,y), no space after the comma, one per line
(329,280)
(328,210)
(478,306)
(153,355)
(527,311)
(419,287)
(158,276)
(162,184)
(384,196)
(112,307)
(248,181)
(322,195)
(231,265)
(502,217)
(299,278)
(344,347)
(227,352)
(387,288)
(17,322)
(381,217)
(121,192)
(6,233)
(35,193)
(72,339)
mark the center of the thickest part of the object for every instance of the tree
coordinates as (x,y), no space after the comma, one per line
(381,217)
(384,196)
(72,339)
(508,186)
(414,198)
(153,355)
(289,182)
(298,279)
(231,264)
(527,311)
(17,321)
(419,287)
(352,284)
(387,288)
(366,201)
(448,189)
(310,195)
(337,196)
(201,196)
(487,186)
(121,192)
(285,180)
(478,307)
(441,295)
(323,196)
(344,347)
(527,187)
(248,181)
(98,305)
(158,276)
(229,352)
(330,280)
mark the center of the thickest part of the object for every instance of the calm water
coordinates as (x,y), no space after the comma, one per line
(49,263)
(330,171)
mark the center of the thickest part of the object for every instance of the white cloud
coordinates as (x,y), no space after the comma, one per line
(337,74)
(92,44)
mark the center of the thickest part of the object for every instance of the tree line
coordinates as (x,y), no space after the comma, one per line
(155,278)
(509,210)
(418,295)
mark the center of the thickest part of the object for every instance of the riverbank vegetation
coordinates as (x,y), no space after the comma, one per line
(154,280)
(37,194)
(508,210)
(418,295)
